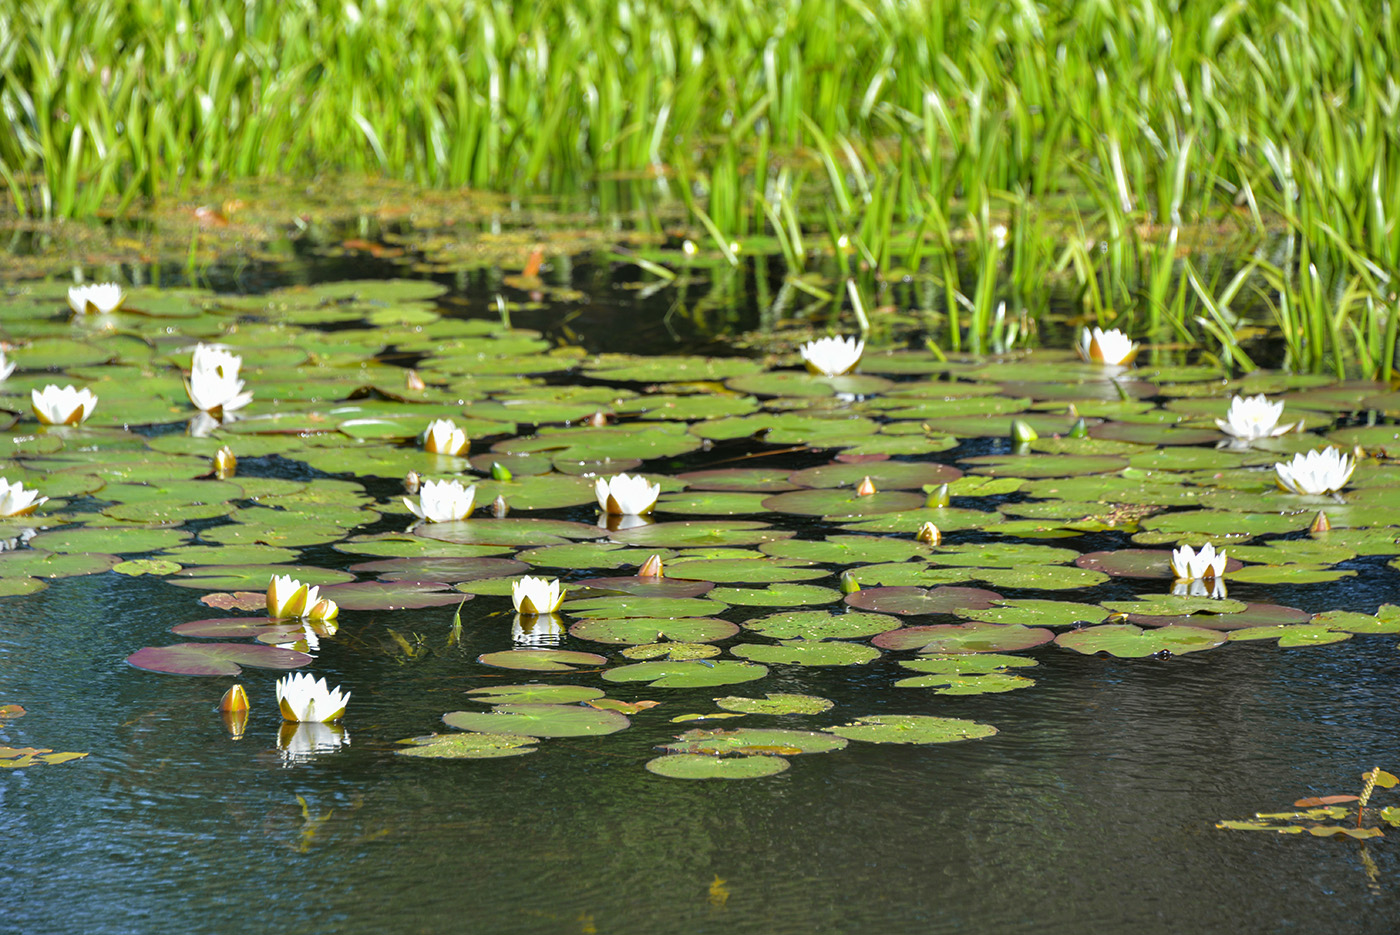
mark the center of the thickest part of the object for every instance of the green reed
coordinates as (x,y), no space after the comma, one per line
(1154,129)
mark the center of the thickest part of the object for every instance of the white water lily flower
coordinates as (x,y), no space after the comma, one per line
(213,384)
(16,501)
(1254,417)
(99,297)
(442,501)
(62,406)
(537,629)
(7,366)
(536,595)
(306,699)
(443,437)
(1107,347)
(1316,472)
(288,598)
(832,356)
(1190,565)
(625,495)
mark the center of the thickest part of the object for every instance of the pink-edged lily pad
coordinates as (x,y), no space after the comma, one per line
(215,658)
(232,628)
(1253,615)
(1137,563)
(910,600)
(393,595)
(965,638)
(450,570)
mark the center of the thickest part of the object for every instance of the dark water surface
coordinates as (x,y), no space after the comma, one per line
(1091,810)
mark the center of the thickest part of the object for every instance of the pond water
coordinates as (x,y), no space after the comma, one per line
(1091,809)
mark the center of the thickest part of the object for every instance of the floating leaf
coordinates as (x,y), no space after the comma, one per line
(534,694)
(1124,639)
(807,653)
(696,674)
(965,638)
(909,600)
(468,746)
(755,741)
(539,720)
(638,630)
(215,658)
(699,766)
(776,595)
(775,703)
(541,660)
(821,625)
(912,728)
(673,651)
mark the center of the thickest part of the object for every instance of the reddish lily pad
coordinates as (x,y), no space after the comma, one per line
(224,628)
(1253,615)
(646,587)
(393,595)
(910,600)
(215,658)
(974,637)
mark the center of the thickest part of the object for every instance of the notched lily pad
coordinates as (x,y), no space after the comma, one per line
(534,694)
(539,720)
(775,703)
(965,638)
(807,653)
(910,600)
(541,660)
(912,728)
(1127,640)
(471,745)
(697,674)
(215,658)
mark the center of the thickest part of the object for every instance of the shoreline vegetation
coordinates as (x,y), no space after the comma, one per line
(1199,173)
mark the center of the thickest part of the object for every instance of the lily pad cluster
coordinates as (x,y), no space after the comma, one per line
(886,524)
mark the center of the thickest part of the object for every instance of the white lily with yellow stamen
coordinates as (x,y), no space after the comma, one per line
(624,495)
(97,298)
(832,357)
(443,437)
(305,699)
(288,598)
(1107,347)
(1191,565)
(7,366)
(54,405)
(16,501)
(213,384)
(1316,472)
(532,595)
(442,501)
(1254,417)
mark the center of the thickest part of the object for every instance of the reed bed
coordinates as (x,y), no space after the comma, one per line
(1115,144)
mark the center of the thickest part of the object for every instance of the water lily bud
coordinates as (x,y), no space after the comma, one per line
(1021,431)
(651,568)
(849,584)
(499,509)
(412,481)
(500,471)
(324,609)
(938,498)
(929,533)
(866,488)
(689,248)
(235,699)
(1080,429)
(597,420)
(1320,523)
(225,464)
(414,382)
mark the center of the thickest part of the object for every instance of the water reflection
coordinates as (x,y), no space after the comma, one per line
(301,741)
(537,629)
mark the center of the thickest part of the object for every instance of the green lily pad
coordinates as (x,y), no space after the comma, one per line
(1289,636)
(224,628)
(1159,605)
(117,539)
(1044,578)
(440,568)
(675,652)
(803,384)
(468,746)
(755,570)
(1030,466)
(481,531)
(712,503)
(776,595)
(1251,615)
(1000,555)
(912,728)
(885,475)
(755,741)
(1386,620)
(842,502)
(37,563)
(589,555)
(541,660)
(847,550)
(215,658)
(821,625)
(638,630)
(537,693)
(702,766)
(807,653)
(613,608)
(753,480)
(392,595)
(696,674)
(1040,613)
(640,586)
(776,703)
(1126,640)
(539,720)
(700,534)
(676,369)
(253,577)
(966,664)
(952,683)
